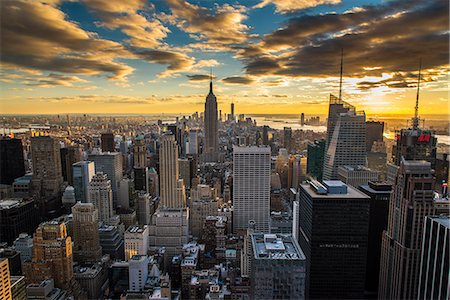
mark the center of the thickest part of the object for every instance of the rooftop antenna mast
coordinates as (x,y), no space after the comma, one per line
(416,108)
(340,80)
(210,80)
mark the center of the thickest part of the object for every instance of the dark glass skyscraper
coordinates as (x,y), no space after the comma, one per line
(334,226)
(11,160)
(314,163)
(374,133)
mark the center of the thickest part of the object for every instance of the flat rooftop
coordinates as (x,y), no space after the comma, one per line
(276,246)
(352,193)
(443,220)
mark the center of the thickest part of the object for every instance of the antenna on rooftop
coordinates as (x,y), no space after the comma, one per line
(340,80)
(416,108)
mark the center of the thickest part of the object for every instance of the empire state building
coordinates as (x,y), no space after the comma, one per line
(211,123)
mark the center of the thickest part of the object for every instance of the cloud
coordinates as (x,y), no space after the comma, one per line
(238,80)
(199,77)
(38,36)
(177,62)
(133,18)
(53,80)
(220,30)
(382,39)
(286,6)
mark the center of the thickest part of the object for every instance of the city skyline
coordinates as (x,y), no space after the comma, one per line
(147,57)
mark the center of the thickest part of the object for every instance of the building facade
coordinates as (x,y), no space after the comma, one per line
(12,164)
(333,233)
(100,194)
(83,171)
(412,199)
(251,187)
(85,233)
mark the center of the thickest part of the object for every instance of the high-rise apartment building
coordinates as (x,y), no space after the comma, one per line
(5,282)
(143,213)
(374,133)
(278,267)
(412,199)
(184,166)
(211,126)
(140,152)
(287,132)
(69,156)
(85,233)
(100,194)
(434,259)
(17,215)
(333,234)
(83,171)
(172,193)
(111,241)
(107,142)
(193,142)
(47,173)
(251,187)
(136,241)
(380,194)
(346,143)
(11,160)
(111,165)
(52,256)
(314,164)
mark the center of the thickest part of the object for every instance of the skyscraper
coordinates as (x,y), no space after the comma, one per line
(5,282)
(83,171)
(107,142)
(333,234)
(314,164)
(11,160)
(231,117)
(85,233)
(411,201)
(374,133)
(171,187)
(52,256)
(347,142)
(288,138)
(170,222)
(47,173)
(140,152)
(415,143)
(211,126)
(111,165)
(251,187)
(379,193)
(17,215)
(434,262)
(69,156)
(100,194)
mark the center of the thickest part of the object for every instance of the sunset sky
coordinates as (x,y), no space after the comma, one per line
(268,56)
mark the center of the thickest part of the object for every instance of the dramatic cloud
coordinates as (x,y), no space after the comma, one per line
(285,6)
(238,80)
(384,39)
(130,17)
(177,62)
(37,36)
(221,29)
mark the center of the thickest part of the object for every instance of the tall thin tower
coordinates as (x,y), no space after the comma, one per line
(211,125)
